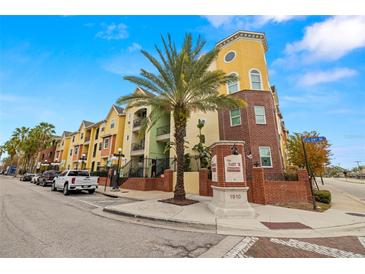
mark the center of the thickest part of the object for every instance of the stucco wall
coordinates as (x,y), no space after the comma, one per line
(191,182)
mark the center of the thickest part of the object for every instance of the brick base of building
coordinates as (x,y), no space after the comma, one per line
(262,191)
(163,183)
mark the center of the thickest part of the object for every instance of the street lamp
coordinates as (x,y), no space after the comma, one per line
(119,155)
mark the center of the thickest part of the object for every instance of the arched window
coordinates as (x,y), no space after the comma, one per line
(233,86)
(255,78)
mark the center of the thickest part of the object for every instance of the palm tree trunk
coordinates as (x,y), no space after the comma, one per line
(180,126)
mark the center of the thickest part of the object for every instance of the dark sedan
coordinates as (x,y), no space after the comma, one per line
(27,177)
(47,178)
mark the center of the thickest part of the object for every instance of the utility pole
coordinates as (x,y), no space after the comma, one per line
(310,178)
(358,167)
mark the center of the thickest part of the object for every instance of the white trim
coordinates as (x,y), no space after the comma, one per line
(238,83)
(230,117)
(254,110)
(270,156)
(249,75)
(104,141)
(111,123)
(224,57)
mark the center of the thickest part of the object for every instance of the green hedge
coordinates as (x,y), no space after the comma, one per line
(323,196)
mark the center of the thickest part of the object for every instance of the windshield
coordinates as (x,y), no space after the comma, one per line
(78,173)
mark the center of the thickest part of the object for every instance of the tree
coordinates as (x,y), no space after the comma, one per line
(318,154)
(202,150)
(182,84)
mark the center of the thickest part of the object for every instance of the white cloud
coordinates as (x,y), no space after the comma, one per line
(246,22)
(219,20)
(330,39)
(134,47)
(113,32)
(319,77)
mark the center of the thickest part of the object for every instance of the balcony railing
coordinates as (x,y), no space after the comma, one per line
(137,122)
(162,130)
(138,146)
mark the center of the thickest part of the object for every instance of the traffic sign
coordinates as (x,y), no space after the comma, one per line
(314,139)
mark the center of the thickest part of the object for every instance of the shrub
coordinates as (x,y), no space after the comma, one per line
(323,196)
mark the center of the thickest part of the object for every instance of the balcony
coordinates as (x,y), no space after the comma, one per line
(87,140)
(137,124)
(163,134)
(137,149)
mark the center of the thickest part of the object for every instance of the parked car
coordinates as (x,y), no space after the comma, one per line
(27,177)
(47,178)
(35,178)
(10,170)
(75,180)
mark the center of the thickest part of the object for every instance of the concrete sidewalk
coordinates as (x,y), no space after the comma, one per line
(333,222)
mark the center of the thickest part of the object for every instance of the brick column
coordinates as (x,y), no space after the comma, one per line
(303,178)
(258,185)
(168,179)
(204,185)
(221,150)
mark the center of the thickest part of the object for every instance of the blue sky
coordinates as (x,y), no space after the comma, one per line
(62,69)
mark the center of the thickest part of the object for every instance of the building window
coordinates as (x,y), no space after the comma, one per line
(233,86)
(112,124)
(229,56)
(76,150)
(100,145)
(127,137)
(73,139)
(62,143)
(82,136)
(95,148)
(71,152)
(235,115)
(260,115)
(106,143)
(255,78)
(265,156)
(97,134)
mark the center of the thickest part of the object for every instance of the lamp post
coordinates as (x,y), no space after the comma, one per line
(119,155)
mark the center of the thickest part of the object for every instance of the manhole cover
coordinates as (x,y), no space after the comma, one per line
(285,225)
(356,214)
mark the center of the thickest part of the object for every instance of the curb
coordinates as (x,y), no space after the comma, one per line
(116,196)
(121,213)
(208,226)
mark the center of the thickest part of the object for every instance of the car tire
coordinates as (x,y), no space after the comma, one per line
(53,186)
(65,190)
(91,191)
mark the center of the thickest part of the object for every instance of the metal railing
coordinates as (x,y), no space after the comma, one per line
(137,146)
(137,122)
(162,130)
(281,176)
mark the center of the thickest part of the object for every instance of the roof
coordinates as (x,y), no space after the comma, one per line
(120,110)
(243,34)
(87,123)
(67,133)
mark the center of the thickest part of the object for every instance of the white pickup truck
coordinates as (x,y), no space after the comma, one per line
(75,180)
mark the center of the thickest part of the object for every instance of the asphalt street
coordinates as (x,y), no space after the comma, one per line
(36,222)
(346,186)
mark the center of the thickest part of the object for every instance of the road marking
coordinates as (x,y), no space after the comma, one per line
(239,250)
(324,250)
(362,241)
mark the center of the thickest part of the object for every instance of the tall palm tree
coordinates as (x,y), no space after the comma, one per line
(181,85)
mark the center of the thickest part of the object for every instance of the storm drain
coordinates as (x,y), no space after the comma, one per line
(285,225)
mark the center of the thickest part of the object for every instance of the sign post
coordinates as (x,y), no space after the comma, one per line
(310,140)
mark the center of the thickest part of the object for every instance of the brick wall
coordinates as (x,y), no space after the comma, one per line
(263,191)
(145,184)
(254,135)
